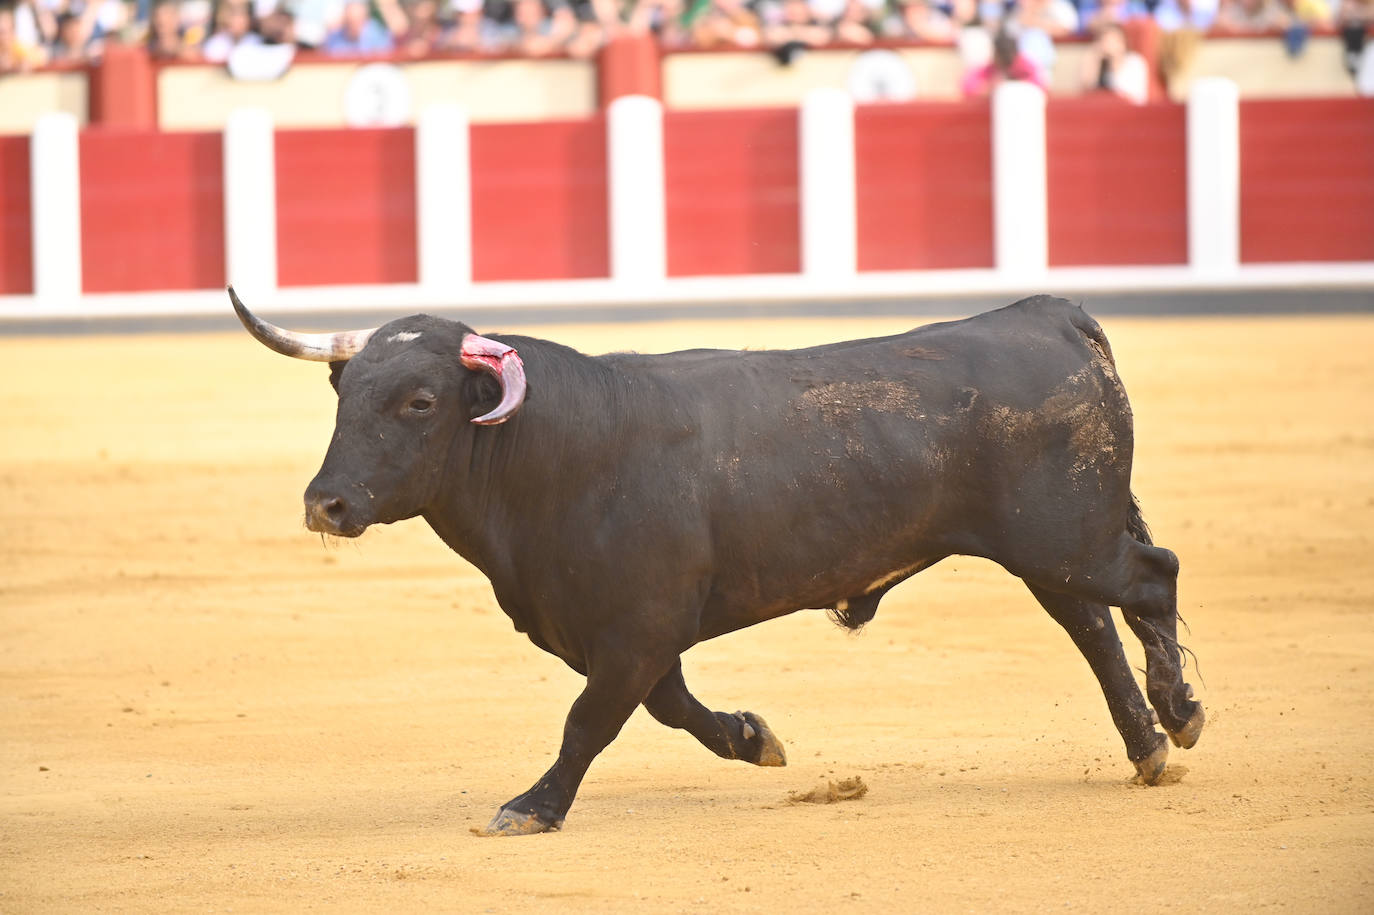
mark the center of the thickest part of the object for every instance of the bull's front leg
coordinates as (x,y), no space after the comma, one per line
(742,735)
(615,686)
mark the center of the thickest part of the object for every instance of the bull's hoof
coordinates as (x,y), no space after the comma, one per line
(1151,768)
(770,752)
(514,823)
(1187,735)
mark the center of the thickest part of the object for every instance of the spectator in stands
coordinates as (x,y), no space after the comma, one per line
(541,28)
(278,26)
(533,27)
(314,20)
(597,21)
(468,26)
(1094,16)
(856,23)
(166,38)
(1251,16)
(1110,66)
(1316,14)
(796,29)
(359,33)
(76,40)
(35,23)
(1182,24)
(1055,18)
(233,28)
(1038,24)
(1192,15)
(196,22)
(726,23)
(424,31)
(1007,64)
(1355,19)
(16,55)
(925,21)
(666,20)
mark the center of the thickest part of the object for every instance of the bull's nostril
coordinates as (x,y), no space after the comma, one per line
(334,508)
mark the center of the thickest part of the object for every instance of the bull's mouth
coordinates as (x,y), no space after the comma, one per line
(320,519)
(348,532)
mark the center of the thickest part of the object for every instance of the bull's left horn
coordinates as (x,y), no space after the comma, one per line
(315,347)
(502,363)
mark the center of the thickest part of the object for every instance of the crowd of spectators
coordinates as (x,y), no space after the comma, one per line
(1000,38)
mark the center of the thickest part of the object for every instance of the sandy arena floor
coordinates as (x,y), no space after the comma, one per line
(203,708)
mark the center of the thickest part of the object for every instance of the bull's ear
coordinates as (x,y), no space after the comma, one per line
(335,370)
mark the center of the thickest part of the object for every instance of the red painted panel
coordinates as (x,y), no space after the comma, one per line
(16,230)
(539,205)
(732,199)
(924,194)
(1307,180)
(152,210)
(346,206)
(1118,182)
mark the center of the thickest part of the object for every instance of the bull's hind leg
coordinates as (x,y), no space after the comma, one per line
(742,735)
(1150,606)
(1142,580)
(1092,630)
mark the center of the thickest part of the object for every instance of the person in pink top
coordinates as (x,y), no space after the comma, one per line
(1008,63)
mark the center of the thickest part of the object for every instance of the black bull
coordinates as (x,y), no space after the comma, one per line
(635,505)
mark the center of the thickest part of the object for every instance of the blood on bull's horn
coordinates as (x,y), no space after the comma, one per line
(502,363)
(478,353)
(334,347)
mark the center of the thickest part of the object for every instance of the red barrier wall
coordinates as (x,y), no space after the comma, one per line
(1118,183)
(1307,180)
(539,207)
(16,219)
(924,174)
(731,196)
(152,210)
(346,206)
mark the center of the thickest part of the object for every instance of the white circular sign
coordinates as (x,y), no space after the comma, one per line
(881,76)
(377,96)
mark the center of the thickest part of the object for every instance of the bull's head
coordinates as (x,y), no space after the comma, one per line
(406,391)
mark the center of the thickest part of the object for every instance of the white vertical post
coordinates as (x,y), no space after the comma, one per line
(1214,175)
(250,200)
(634,153)
(55,189)
(1020,193)
(443,191)
(829,222)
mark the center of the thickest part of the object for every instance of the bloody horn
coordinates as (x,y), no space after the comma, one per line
(502,363)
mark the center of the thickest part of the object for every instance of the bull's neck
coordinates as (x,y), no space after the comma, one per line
(504,482)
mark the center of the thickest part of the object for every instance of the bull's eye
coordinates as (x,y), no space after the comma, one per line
(421,405)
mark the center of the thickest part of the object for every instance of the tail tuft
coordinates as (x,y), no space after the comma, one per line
(1135,523)
(854,613)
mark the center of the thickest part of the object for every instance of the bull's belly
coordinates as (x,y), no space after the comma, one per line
(745,596)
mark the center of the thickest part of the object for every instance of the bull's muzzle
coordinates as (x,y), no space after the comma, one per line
(330,513)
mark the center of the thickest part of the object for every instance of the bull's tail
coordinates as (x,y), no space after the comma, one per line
(1135,523)
(1137,528)
(1093,334)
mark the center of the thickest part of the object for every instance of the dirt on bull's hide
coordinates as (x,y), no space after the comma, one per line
(1088,405)
(205,709)
(841,401)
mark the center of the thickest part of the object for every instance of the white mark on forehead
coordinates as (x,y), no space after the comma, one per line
(404,336)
